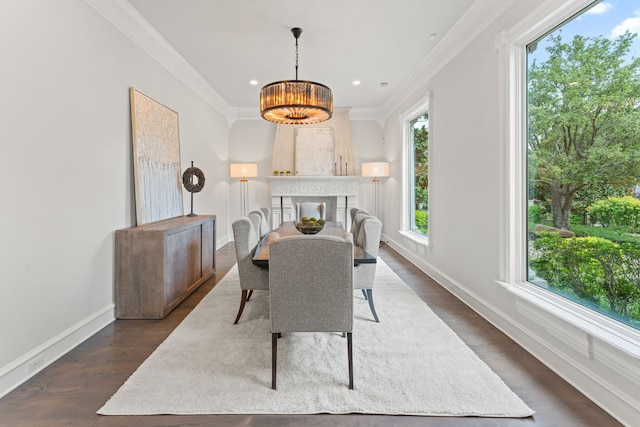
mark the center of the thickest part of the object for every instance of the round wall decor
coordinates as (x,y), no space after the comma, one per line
(188,182)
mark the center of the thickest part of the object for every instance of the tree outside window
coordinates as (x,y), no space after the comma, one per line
(584,163)
(420,176)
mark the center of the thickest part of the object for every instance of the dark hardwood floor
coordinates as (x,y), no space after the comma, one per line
(70,391)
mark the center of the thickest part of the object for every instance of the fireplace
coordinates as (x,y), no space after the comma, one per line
(340,193)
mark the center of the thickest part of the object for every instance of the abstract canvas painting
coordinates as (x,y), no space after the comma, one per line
(156,159)
(314,151)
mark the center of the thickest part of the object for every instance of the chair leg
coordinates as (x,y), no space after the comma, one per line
(274,358)
(243,299)
(364,292)
(250,293)
(371,306)
(350,351)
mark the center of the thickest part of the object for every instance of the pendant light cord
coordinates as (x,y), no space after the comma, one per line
(296,58)
(296,33)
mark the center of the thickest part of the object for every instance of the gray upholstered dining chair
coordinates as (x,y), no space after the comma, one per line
(353,212)
(370,229)
(251,276)
(311,289)
(311,210)
(357,223)
(256,220)
(260,222)
(267,216)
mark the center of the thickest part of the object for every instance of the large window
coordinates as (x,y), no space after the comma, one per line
(419,173)
(583,157)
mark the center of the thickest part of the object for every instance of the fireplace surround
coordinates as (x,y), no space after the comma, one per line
(340,193)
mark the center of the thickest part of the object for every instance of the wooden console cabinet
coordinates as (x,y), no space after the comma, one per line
(159,264)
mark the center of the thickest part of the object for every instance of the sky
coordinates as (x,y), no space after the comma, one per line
(609,18)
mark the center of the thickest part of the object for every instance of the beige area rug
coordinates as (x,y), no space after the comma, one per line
(411,363)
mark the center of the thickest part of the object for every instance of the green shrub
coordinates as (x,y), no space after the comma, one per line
(534,214)
(614,234)
(596,270)
(567,264)
(621,273)
(616,211)
(574,218)
(422,197)
(422,221)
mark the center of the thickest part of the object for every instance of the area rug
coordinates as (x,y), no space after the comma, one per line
(410,363)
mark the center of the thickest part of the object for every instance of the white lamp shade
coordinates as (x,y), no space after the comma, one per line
(375,169)
(243,170)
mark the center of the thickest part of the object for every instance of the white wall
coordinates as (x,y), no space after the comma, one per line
(251,141)
(66,171)
(368,146)
(466,223)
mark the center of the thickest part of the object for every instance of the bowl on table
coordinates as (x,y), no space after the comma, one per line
(309,225)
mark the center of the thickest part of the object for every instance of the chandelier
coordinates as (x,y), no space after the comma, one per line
(296,101)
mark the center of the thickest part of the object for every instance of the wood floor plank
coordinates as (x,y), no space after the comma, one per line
(71,390)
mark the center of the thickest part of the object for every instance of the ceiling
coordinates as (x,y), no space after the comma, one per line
(377,42)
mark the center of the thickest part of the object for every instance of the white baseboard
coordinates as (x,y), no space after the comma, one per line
(224,240)
(551,349)
(20,370)
(17,372)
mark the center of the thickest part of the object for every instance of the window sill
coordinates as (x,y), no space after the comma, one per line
(593,335)
(419,241)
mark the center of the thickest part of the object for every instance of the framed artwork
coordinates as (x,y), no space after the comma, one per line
(314,151)
(156,159)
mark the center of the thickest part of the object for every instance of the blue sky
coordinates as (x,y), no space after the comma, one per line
(609,18)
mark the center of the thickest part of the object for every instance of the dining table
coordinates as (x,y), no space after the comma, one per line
(331,228)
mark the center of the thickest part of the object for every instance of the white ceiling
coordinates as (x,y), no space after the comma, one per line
(232,42)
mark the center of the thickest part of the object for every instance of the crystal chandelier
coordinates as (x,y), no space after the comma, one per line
(296,101)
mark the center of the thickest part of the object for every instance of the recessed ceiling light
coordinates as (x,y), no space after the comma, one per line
(253,82)
(432,36)
(356,82)
(384,84)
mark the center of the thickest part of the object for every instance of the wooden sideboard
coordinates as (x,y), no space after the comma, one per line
(159,264)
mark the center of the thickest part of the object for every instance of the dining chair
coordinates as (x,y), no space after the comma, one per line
(267,216)
(311,210)
(353,212)
(311,289)
(262,224)
(357,223)
(364,274)
(251,276)
(256,220)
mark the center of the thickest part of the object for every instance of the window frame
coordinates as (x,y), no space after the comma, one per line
(537,303)
(408,199)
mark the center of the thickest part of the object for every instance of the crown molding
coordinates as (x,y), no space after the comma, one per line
(248,113)
(475,20)
(376,114)
(129,22)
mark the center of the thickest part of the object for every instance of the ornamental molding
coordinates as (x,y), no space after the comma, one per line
(314,186)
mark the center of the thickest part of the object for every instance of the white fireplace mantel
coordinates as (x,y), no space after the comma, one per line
(341,191)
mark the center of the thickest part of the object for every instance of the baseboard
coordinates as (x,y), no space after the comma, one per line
(464,294)
(611,398)
(20,370)
(223,241)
